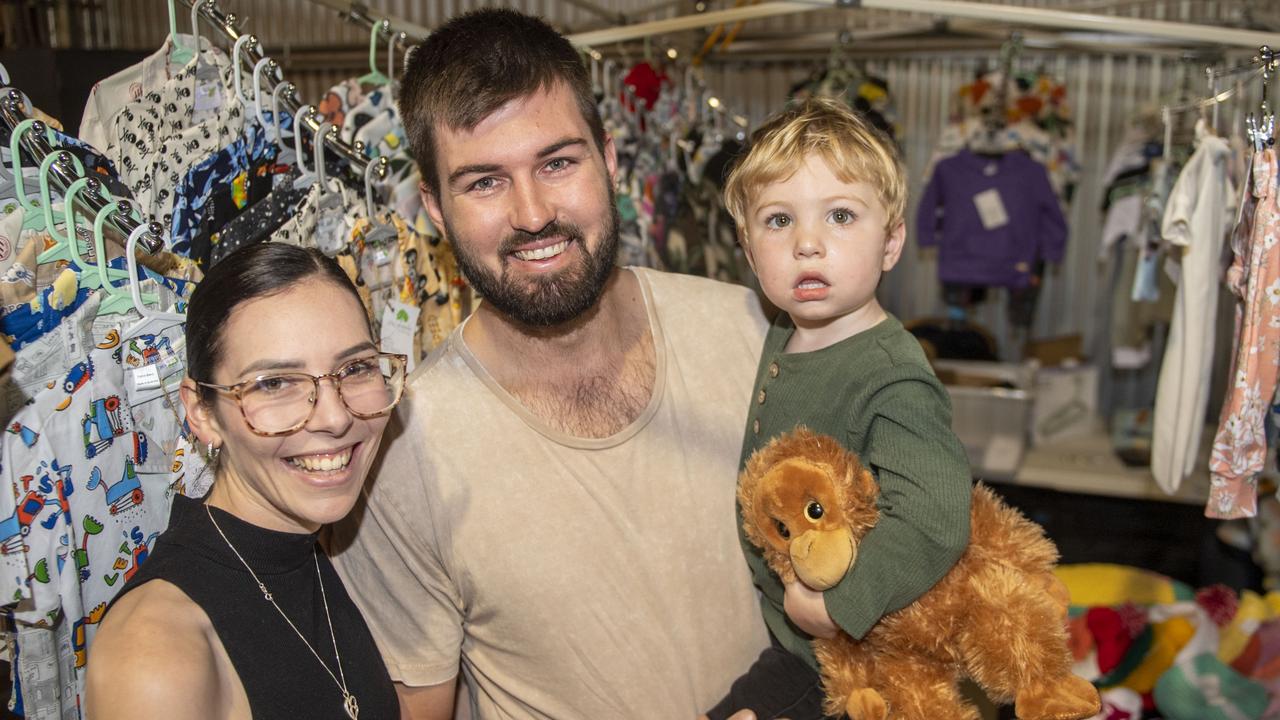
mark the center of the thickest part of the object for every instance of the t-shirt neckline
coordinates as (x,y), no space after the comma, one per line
(558,436)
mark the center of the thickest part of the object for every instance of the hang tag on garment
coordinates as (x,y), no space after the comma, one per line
(208,97)
(399,325)
(991,209)
(331,229)
(376,263)
(146,377)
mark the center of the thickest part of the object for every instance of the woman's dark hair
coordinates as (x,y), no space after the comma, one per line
(251,272)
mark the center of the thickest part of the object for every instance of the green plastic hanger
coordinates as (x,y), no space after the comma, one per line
(178,55)
(33,218)
(374,76)
(92,275)
(68,247)
(116,298)
(62,249)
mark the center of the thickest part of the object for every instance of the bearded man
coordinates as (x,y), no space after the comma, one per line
(553,517)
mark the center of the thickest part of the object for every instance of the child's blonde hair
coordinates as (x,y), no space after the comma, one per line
(853,149)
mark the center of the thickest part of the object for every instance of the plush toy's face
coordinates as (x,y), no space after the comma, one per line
(800,513)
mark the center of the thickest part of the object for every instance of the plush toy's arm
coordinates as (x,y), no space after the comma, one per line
(925,497)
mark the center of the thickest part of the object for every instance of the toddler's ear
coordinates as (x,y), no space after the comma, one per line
(893,244)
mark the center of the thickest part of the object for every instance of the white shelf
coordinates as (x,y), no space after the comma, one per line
(1087,464)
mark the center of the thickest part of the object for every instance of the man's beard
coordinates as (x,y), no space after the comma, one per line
(549,300)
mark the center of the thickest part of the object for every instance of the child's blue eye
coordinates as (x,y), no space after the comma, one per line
(840,216)
(777,221)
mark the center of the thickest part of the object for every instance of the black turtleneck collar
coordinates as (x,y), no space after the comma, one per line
(268,552)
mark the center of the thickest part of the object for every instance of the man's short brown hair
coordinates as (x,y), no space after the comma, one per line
(853,149)
(476,63)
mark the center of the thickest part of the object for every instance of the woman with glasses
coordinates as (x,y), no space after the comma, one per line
(238,613)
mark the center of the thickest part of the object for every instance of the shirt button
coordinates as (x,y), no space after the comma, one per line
(773,369)
(755,426)
(760,399)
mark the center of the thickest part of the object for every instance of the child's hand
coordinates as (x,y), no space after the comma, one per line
(807,609)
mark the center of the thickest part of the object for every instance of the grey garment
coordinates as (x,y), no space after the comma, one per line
(258,222)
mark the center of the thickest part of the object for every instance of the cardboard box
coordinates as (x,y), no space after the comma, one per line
(1054,352)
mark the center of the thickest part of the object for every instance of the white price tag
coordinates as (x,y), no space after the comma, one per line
(146,377)
(399,325)
(208,100)
(991,209)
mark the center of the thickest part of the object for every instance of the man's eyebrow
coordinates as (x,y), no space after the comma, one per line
(485,169)
(472,170)
(556,147)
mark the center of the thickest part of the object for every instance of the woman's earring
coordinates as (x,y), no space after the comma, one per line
(212,452)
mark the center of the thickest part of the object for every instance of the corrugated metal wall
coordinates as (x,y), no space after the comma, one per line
(1106,92)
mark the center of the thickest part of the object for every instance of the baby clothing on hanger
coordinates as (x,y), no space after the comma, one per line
(1197,218)
(1240,445)
(992,218)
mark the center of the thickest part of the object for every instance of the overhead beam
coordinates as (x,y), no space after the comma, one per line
(1013,15)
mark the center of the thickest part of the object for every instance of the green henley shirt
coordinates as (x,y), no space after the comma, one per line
(875,393)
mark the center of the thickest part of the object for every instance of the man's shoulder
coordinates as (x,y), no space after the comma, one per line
(680,298)
(697,285)
(445,362)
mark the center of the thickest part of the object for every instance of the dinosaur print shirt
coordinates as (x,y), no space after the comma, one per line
(89,461)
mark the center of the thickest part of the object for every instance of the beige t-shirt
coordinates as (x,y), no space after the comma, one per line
(570,577)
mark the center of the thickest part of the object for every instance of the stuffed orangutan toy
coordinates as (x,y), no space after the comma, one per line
(998,617)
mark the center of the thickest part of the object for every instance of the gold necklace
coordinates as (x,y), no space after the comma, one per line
(349,703)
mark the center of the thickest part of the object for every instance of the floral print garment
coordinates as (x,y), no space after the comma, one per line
(1240,446)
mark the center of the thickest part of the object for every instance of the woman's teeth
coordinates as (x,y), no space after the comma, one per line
(549,251)
(322,463)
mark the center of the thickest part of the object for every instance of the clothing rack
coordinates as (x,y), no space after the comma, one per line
(1012,15)
(362,15)
(62,170)
(227,24)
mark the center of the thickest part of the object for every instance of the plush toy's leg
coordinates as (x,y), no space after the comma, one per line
(1015,646)
(866,704)
(918,689)
(846,678)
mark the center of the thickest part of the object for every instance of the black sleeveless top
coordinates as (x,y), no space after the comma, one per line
(281,677)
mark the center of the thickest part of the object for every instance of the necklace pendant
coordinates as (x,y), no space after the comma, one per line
(351,706)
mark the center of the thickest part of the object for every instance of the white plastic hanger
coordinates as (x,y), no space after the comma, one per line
(307,177)
(153,321)
(380,230)
(236,67)
(330,196)
(257,89)
(115,299)
(275,110)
